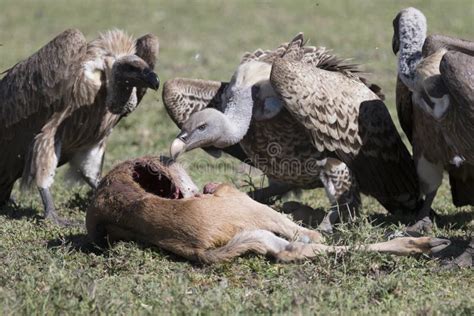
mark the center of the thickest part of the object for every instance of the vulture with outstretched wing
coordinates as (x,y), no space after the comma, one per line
(306,119)
(60,104)
(435,103)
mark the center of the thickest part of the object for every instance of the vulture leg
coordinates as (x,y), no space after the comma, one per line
(424,223)
(341,189)
(264,195)
(89,164)
(49,209)
(431,176)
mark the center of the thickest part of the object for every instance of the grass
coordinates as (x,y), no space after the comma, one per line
(52,270)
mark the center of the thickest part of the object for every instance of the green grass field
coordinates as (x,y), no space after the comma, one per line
(53,270)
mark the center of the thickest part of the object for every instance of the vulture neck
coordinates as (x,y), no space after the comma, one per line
(411,46)
(121,98)
(238,114)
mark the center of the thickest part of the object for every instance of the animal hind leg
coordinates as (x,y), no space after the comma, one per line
(403,246)
(258,241)
(342,190)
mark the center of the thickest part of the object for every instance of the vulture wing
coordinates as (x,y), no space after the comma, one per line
(345,117)
(40,82)
(182,97)
(435,42)
(457,72)
(404,108)
(147,48)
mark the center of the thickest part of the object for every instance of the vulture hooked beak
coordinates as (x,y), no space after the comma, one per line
(150,78)
(178,146)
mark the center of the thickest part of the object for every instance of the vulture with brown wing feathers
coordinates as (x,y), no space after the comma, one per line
(306,119)
(59,106)
(435,104)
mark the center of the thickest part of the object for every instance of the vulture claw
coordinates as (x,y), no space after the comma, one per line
(423,225)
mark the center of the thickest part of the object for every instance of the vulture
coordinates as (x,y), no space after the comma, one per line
(306,119)
(435,104)
(59,106)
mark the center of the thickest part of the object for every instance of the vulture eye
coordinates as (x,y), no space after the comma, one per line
(202,127)
(255,90)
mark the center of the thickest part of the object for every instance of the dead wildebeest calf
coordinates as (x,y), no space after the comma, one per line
(153,200)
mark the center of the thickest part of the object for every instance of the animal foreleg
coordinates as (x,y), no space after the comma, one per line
(264,195)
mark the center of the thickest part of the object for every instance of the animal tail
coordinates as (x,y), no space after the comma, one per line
(259,241)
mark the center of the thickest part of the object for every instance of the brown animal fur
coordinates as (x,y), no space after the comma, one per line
(152,200)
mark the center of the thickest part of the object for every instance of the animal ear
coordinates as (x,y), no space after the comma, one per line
(147,48)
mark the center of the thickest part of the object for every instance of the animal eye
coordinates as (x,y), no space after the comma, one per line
(202,127)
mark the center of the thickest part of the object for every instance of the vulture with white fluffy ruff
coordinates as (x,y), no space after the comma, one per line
(60,105)
(435,102)
(306,119)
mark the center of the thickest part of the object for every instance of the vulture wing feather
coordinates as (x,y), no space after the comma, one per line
(147,48)
(42,82)
(405,108)
(342,115)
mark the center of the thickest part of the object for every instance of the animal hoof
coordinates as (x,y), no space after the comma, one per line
(325,228)
(438,244)
(424,225)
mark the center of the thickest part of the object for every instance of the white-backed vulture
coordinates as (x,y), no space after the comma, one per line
(435,102)
(315,123)
(61,103)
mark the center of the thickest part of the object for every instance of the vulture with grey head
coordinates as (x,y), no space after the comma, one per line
(435,104)
(306,119)
(60,105)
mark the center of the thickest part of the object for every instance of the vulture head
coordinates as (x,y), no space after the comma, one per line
(129,73)
(211,127)
(409,34)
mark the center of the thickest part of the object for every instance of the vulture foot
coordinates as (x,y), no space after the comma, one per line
(329,220)
(464,260)
(50,211)
(423,225)
(60,221)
